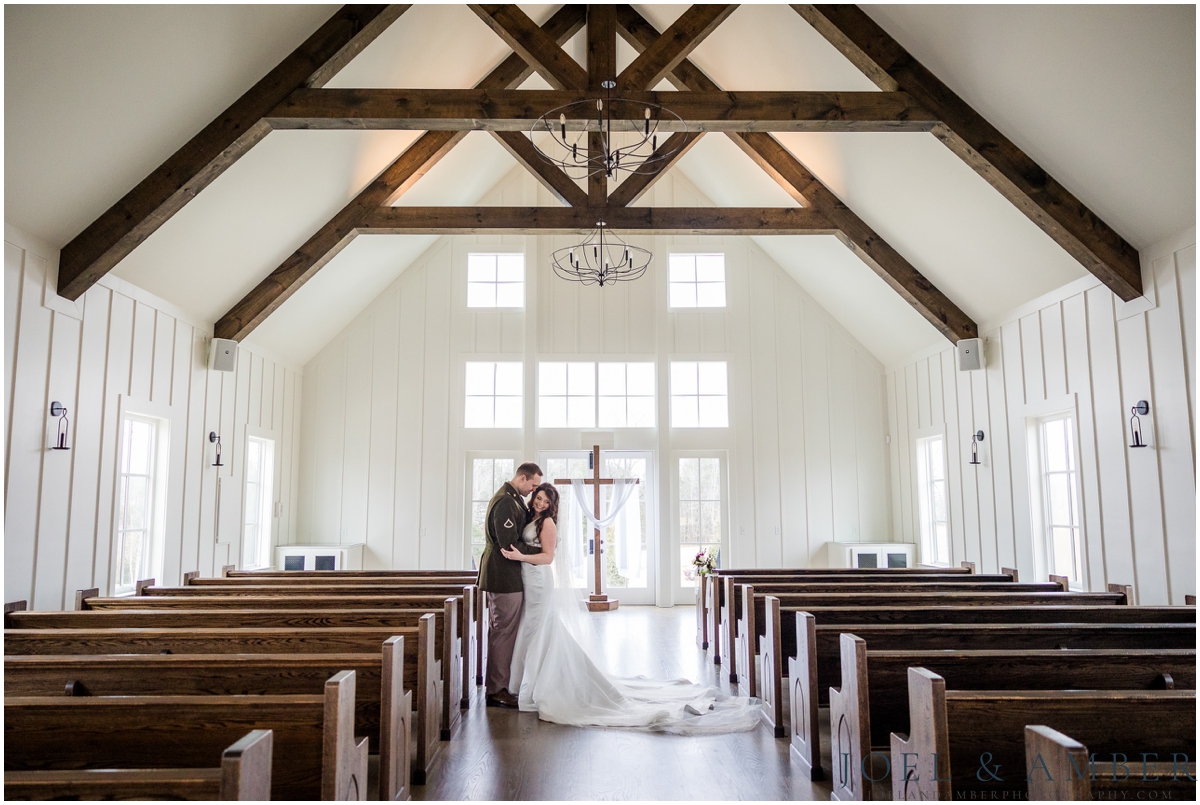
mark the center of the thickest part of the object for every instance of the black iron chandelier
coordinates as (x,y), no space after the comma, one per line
(601,259)
(635,121)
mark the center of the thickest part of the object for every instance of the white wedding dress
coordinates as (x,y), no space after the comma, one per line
(560,682)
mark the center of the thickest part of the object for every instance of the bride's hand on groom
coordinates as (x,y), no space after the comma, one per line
(511,553)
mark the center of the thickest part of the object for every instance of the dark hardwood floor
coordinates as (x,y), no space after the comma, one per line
(508,755)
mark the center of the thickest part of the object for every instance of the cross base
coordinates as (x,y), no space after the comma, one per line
(601,603)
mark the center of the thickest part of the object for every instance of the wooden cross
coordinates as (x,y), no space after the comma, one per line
(597,601)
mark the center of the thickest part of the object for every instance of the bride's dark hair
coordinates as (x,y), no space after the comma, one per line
(551,511)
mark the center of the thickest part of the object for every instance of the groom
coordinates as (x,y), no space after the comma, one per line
(500,578)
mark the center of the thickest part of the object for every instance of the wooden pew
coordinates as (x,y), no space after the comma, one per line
(468,610)
(817,665)
(872,702)
(779,630)
(739,622)
(419,649)
(455,667)
(382,711)
(712,595)
(230,572)
(1058,768)
(244,774)
(889,595)
(315,752)
(953,732)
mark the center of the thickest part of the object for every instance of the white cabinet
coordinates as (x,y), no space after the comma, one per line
(319,557)
(871,554)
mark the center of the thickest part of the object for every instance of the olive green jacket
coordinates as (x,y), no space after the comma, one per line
(506,519)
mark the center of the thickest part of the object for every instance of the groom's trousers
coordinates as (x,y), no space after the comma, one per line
(504,616)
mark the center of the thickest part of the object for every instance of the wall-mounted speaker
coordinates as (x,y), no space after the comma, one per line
(970,354)
(222,355)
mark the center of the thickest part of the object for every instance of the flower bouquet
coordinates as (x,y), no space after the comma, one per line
(705,562)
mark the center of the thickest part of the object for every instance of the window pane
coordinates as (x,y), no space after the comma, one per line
(581,412)
(685,412)
(710,478)
(481,378)
(1056,445)
(683,268)
(478,523)
(481,268)
(131,557)
(936,460)
(938,499)
(510,294)
(504,471)
(1064,560)
(710,521)
(552,412)
(253,450)
(683,377)
(612,412)
(581,378)
(710,294)
(508,412)
(689,479)
(135,508)
(612,378)
(483,484)
(552,378)
(480,412)
(508,379)
(510,268)
(683,294)
(556,468)
(139,447)
(712,377)
(641,379)
(1059,489)
(714,412)
(641,412)
(481,294)
(689,521)
(710,268)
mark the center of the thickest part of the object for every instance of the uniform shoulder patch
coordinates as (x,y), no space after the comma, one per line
(509,523)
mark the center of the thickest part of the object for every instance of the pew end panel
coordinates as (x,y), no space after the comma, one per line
(1061,581)
(429,695)
(466,645)
(714,587)
(729,627)
(746,647)
(395,724)
(968,566)
(921,760)
(771,690)
(343,761)
(481,636)
(190,576)
(139,587)
(1049,758)
(226,570)
(246,767)
(850,723)
(702,614)
(1125,590)
(451,679)
(802,674)
(81,597)
(1011,571)
(1189,600)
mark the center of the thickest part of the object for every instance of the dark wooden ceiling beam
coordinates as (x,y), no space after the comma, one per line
(393,182)
(533,45)
(568,220)
(977,142)
(549,176)
(635,185)
(676,44)
(601,67)
(517,110)
(110,238)
(803,186)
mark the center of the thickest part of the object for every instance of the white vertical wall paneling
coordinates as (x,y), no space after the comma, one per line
(59,528)
(357,393)
(764,399)
(843,438)
(384,400)
(436,421)
(1137,506)
(817,458)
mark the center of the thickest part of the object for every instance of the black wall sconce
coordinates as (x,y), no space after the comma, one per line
(976,438)
(57,409)
(215,439)
(1135,424)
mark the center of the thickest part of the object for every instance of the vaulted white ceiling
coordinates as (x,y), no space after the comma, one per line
(1103,97)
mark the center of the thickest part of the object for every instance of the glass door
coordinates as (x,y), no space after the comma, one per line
(628,544)
(700,517)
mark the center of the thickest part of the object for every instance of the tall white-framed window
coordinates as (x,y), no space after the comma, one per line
(258,502)
(1055,495)
(496,280)
(699,394)
(696,280)
(932,506)
(488,473)
(580,394)
(700,506)
(494,394)
(140,515)
(626,395)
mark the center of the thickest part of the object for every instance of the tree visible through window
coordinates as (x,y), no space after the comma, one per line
(699,513)
(487,475)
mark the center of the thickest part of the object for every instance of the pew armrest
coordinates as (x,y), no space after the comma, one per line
(1049,758)
(246,767)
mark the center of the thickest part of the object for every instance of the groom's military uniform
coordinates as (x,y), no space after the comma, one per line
(500,578)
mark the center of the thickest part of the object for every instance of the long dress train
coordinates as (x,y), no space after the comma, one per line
(561,683)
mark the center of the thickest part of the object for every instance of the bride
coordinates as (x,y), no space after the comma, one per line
(562,684)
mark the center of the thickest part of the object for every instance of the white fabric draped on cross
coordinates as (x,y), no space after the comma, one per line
(622,492)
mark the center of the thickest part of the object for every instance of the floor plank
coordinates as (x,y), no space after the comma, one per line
(505,755)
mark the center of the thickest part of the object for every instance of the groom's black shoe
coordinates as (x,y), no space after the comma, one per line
(502,699)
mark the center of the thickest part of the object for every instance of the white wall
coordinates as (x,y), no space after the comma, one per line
(1080,345)
(121,344)
(383,452)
